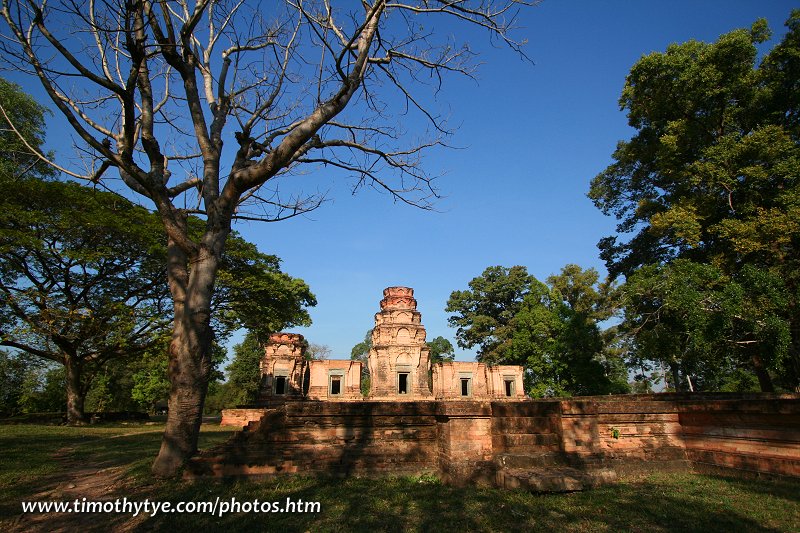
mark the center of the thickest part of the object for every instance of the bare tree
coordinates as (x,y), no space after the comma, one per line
(154,88)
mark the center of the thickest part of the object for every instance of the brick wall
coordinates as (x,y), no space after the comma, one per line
(468,441)
(749,436)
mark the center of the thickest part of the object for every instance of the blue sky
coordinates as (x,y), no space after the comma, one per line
(531,138)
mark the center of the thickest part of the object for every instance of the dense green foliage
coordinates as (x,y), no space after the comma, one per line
(441,350)
(360,352)
(27,117)
(557,336)
(485,312)
(81,276)
(244,372)
(29,385)
(253,293)
(552,329)
(711,177)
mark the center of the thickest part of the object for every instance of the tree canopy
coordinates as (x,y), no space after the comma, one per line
(552,329)
(484,313)
(711,173)
(83,281)
(441,350)
(711,177)
(81,278)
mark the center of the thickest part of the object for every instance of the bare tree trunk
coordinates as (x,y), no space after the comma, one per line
(189,351)
(75,394)
(189,365)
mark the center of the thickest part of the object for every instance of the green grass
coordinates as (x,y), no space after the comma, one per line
(658,502)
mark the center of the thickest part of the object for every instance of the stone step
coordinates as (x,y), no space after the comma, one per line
(553,479)
(531,460)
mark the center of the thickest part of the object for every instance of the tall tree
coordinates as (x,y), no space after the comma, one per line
(552,329)
(557,336)
(711,173)
(484,314)
(156,89)
(244,373)
(82,281)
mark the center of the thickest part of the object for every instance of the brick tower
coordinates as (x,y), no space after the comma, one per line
(283,367)
(399,361)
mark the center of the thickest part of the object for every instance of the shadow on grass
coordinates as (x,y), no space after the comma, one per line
(667,503)
(660,502)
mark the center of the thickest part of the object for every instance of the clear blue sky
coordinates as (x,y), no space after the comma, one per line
(532,138)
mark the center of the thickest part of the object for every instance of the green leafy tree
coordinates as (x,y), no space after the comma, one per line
(705,327)
(484,314)
(22,127)
(711,173)
(360,352)
(244,372)
(552,329)
(253,293)
(44,389)
(441,350)
(150,381)
(15,372)
(557,336)
(79,279)
(111,389)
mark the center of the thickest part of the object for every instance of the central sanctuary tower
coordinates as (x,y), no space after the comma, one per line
(399,361)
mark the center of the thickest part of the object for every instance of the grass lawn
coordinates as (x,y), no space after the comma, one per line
(46,462)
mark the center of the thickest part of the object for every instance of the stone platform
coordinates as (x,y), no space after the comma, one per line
(547,445)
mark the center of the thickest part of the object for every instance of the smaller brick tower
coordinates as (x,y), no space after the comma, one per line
(399,361)
(283,367)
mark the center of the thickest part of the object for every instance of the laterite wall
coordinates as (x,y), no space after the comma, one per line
(469,442)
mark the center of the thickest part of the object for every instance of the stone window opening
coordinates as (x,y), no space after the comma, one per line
(402,383)
(509,387)
(466,384)
(280,385)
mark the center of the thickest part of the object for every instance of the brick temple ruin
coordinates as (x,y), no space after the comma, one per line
(399,366)
(470,423)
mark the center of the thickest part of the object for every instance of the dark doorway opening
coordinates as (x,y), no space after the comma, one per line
(402,383)
(336,385)
(280,385)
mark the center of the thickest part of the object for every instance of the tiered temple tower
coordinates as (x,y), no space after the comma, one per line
(399,361)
